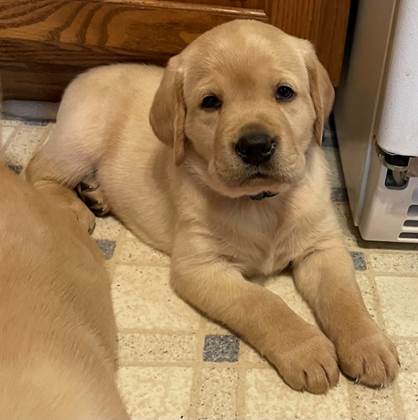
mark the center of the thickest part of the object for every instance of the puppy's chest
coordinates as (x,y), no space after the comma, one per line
(260,244)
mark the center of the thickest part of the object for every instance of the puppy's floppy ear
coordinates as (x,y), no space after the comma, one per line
(322,91)
(167,115)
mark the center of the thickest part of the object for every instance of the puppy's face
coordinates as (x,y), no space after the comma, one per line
(250,100)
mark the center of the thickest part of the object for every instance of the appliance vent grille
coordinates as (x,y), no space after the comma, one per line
(413,210)
(409,231)
(408,235)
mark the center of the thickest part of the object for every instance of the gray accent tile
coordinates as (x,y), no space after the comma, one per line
(339,195)
(359,261)
(221,348)
(107,247)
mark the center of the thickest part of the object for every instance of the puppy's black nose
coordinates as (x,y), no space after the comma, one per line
(255,148)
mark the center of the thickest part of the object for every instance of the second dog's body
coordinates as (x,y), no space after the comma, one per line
(57,328)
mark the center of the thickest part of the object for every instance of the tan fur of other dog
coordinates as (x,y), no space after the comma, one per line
(189,194)
(57,328)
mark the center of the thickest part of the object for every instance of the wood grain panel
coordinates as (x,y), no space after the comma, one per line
(134,28)
(248,4)
(72,35)
(85,33)
(324,22)
(44,82)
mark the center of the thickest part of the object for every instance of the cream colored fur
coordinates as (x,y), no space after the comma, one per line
(57,329)
(187,194)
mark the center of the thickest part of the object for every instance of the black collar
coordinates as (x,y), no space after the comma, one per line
(262,195)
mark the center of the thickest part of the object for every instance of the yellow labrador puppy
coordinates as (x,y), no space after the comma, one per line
(236,186)
(57,329)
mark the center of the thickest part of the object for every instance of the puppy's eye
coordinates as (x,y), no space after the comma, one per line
(211,102)
(284,93)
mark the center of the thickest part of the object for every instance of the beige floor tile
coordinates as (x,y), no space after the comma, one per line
(371,404)
(107,228)
(408,384)
(217,394)
(408,354)
(156,393)
(369,295)
(394,262)
(283,286)
(129,235)
(398,296)
(6,134)
(269,398)
(137,348)
(211,327)
(24,143)
(249,355)
(135,251)
(143,299)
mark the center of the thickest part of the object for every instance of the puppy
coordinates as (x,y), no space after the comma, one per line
(57,328)
(236,186)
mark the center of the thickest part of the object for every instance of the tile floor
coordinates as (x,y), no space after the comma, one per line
(175,364)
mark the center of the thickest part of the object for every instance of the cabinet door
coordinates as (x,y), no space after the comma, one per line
(45,43)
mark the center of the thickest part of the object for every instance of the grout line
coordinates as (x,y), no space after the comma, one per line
(156,331)
(240,404)
(195,363)
(397,402)
(197,372)
(157,363)
(350,394)
(413,339)
(394,274)
(376,300)
(141,264)
(395,393)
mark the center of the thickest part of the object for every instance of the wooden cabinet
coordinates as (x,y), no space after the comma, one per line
(45,43)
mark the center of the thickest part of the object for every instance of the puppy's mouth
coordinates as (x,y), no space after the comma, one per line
(259,175)
(256,176)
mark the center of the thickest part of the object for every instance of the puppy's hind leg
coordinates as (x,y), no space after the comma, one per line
(62,159)
(59,166)
(78,140)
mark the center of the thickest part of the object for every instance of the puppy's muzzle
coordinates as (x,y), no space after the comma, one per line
(255,148)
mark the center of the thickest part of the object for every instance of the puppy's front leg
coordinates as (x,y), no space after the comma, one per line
(326,279)
(303,356)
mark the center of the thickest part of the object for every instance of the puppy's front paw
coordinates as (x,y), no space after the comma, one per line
(310,366)
(372,361)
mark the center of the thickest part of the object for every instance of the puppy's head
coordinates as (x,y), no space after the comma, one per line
(249,99)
